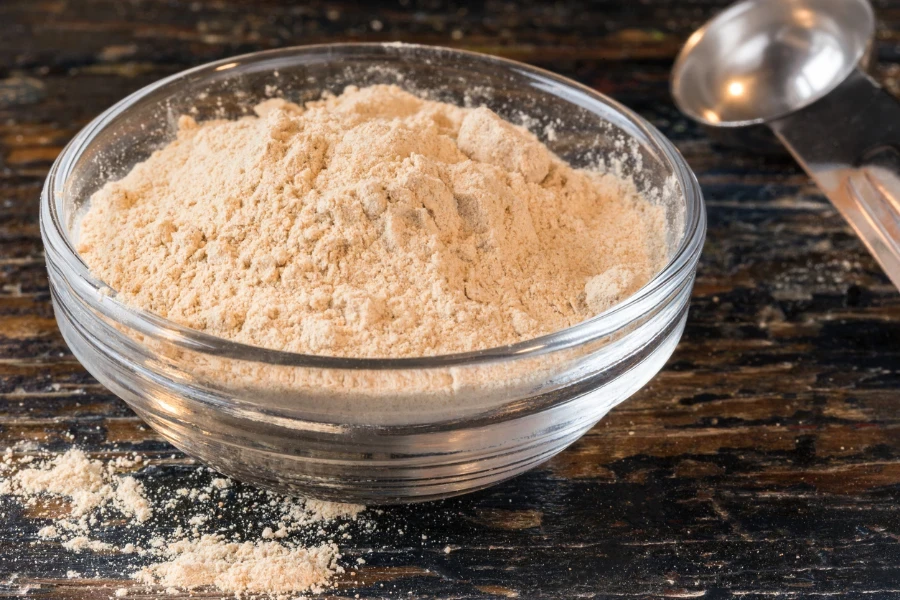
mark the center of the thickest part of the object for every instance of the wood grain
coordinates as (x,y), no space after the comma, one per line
(763,462)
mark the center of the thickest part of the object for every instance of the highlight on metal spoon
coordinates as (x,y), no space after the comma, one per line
(798,68)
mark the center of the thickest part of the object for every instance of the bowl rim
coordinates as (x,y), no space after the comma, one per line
(101,298)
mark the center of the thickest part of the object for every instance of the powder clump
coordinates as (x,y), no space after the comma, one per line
(243,567)
(88,484)
(370,224)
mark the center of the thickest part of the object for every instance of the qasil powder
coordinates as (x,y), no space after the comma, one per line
(370,224)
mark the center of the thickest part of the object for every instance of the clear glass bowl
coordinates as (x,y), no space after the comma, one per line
(369,430)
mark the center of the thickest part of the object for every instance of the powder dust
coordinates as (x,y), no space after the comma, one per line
(370,224)
(88,484)
(292,554)
(243,567)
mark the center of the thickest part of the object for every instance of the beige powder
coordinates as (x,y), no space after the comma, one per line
(372,224)
(81,543)
(205,555)
(262,567)
(87,483)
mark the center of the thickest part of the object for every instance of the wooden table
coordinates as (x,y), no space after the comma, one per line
(764,461)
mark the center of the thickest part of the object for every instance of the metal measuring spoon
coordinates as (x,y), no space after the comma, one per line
(797,68)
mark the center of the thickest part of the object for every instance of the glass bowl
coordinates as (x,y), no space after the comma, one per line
(372,430)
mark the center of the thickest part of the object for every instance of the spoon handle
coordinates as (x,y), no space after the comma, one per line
(849,143)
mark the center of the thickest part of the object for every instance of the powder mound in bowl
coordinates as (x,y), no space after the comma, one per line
(370,224)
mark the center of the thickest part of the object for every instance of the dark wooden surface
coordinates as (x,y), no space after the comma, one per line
(763,462)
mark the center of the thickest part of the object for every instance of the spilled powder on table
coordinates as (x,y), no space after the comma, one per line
(241,567)
(186,558)
(88,484)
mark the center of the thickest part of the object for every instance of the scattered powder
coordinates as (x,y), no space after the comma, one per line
(201,519)
(130,499)
(72,475)
(326,511)
(80,543)
(221,483)
(261,567)
(283,560)
(373,223)
(48,533)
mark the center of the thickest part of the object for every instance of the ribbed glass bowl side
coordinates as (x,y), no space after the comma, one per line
(359,462)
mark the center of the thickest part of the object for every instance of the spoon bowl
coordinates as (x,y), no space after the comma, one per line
(760,60)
